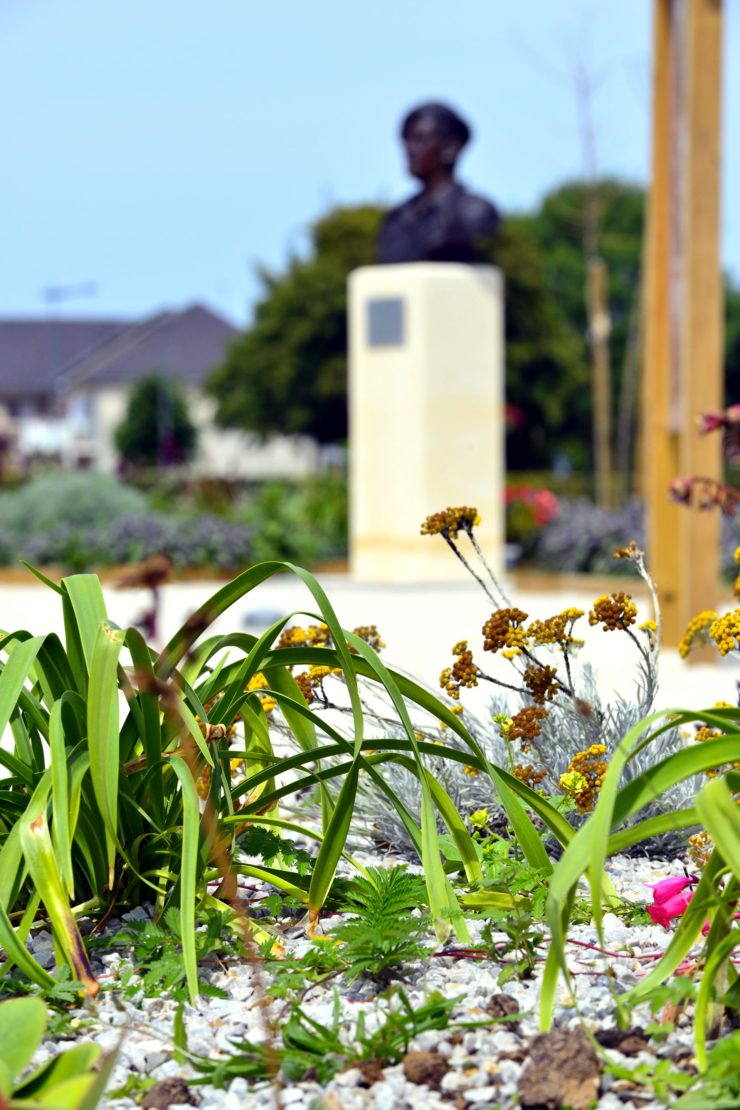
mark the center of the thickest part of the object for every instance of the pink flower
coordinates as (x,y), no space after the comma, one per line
(670,899)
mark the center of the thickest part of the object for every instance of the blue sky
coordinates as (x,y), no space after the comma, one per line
(164,148)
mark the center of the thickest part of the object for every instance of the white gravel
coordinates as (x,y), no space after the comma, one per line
(482,1070)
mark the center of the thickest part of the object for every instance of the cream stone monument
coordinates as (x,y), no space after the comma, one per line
(426,414)
(426,378)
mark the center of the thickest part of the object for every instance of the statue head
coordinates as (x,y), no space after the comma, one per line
(433,136)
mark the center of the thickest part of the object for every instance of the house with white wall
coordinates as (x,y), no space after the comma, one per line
(65,385)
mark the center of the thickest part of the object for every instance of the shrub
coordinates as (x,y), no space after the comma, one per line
(582,537)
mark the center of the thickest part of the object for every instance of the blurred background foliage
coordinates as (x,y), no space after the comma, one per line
(82,521)
(287,374)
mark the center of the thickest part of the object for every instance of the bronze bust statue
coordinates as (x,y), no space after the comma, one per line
(444,222)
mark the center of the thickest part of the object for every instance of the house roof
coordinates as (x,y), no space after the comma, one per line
(40,357)
(31,351)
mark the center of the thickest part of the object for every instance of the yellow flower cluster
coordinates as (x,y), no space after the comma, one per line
(700,848)
(259,682)
(479,818)
(308,681)
(584,777)
(471,771)
(613,611)
(315,635)
(650,628)
(701,736)
(449,521)
(504,723)
(698,629)
(725,631)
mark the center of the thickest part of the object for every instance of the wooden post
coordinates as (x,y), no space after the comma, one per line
(683,305)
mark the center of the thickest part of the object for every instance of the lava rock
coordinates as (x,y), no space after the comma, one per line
(562,1070)
(168,1093)
(425,1068)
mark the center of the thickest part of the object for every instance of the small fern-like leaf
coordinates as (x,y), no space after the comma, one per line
(384,930)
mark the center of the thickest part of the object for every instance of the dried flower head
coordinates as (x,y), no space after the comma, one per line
(616,611)
(529,775)
(525,725)
(503,629)
(541,682)
(369,633)
(555,630)
(303,683)
(700,848)
(631,551)
(449,521)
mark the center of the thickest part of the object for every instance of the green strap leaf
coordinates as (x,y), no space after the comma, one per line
(188,873)
(103,734)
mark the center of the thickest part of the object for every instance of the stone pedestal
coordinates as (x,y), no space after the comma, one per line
(426,394)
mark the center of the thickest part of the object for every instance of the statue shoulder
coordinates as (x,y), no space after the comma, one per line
(478,213)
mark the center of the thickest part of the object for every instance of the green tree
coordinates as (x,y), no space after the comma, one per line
(157,429)
(288,373)
(547,389)
(560,229)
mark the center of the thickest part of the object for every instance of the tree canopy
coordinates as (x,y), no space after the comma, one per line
(288,373)
(157,430)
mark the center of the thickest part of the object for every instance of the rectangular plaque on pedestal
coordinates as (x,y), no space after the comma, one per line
(385,322)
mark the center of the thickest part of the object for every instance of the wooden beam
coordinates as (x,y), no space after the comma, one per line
(701,368)
(682,366)
(659,442)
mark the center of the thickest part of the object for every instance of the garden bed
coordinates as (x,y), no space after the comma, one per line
(277,816)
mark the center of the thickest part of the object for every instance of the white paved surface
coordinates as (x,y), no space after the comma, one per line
(418,623)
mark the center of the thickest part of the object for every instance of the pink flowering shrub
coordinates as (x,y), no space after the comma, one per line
(527,510)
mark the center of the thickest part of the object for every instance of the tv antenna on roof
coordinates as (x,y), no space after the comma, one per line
(54,294)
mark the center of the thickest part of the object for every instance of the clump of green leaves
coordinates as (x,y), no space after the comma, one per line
(269,846)
(157,952)
(385,930)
